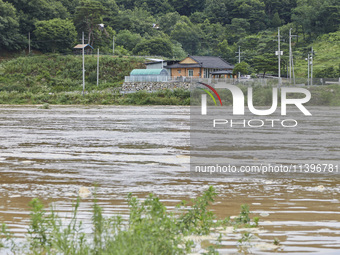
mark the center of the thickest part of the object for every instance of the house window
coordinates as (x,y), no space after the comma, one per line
(206,73)
(179,70)
(190,72)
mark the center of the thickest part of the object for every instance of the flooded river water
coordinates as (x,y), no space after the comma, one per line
(52,153)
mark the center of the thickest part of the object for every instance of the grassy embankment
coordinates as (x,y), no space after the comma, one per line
(327,55)
(151,229)
(57,79)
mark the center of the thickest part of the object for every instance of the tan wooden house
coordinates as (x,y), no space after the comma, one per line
(202,66)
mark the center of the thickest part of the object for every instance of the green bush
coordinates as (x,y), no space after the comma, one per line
(151,229)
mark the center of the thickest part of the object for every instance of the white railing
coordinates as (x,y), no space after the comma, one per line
(151,78)
(273,81)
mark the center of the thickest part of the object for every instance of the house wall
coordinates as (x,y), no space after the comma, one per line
(185,72)
(155,66)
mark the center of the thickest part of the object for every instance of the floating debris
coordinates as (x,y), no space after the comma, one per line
(182,156)
(84,192)
(320,188)
(264,214)
(266,246)
(27,162)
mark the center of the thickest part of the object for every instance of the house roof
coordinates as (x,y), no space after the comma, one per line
(81,46)
(203,61)
(167,62)
(148,72)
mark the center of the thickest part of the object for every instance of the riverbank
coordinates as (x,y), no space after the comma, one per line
(321,96)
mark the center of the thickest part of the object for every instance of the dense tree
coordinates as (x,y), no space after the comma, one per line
(238,29)
(225,51)
(127,39)
(187,34)
(265,63)
(177,50)
(253,11)
(70,5)
(138,21)
(111,11)
(55,35)
(168,21)
(216,11)
(88,16)
(276,21)
(282,7)
(155,6)
(242,68)
(156,46)
(187,7)
(33,10)
(9,27)
(317,16)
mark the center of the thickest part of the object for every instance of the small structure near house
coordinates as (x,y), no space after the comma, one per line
(148,75)
(222,74)
(79,47)
(160,64)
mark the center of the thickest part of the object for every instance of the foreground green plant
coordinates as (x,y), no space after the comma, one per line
(151,229)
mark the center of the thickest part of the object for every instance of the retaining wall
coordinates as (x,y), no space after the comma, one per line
(153,86)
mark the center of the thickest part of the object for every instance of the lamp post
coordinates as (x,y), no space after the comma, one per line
(83,63)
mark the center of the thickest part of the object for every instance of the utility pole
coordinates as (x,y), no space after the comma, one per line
(239,59)
(291,61)
(290,55)
(98,68)
(311,67)
(293,70)
(279,53)
(308,68)
(83,64)
(29,43)
(113,45)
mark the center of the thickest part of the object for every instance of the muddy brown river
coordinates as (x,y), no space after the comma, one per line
(52,153)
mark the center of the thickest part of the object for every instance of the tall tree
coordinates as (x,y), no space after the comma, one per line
(155,6)
(253,11)
(138,21)
(216,11)
(127,39)
(276,21)
(55,35)
(9,27)
(33,10)
(243,68)
(187,7)
(87,18)
(156,46)
(187,34)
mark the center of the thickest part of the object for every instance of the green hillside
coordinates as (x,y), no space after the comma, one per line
(50,73)
(326,61)
(175,28)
